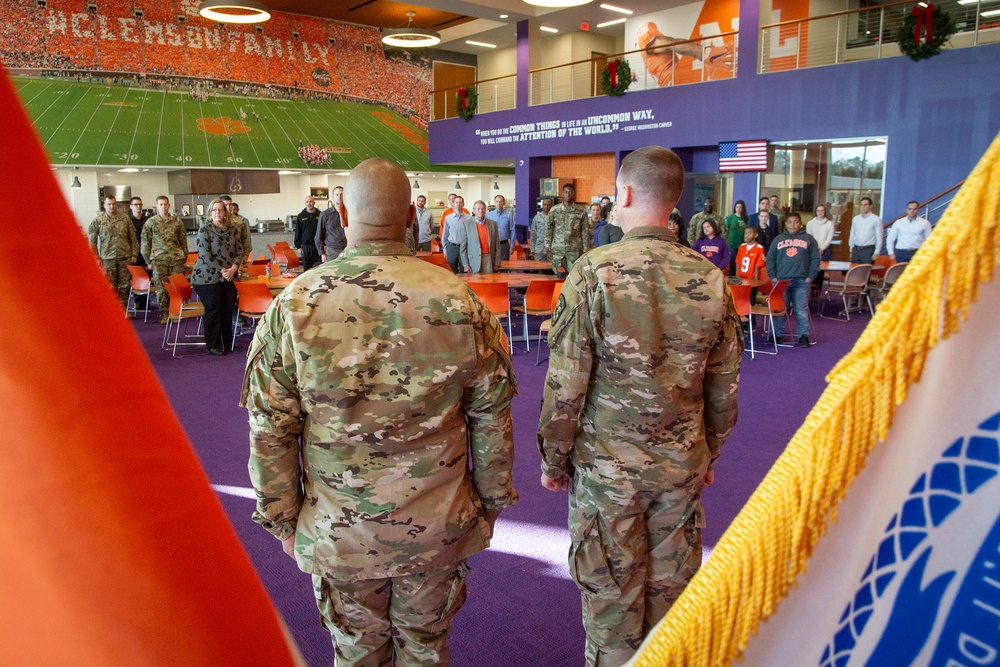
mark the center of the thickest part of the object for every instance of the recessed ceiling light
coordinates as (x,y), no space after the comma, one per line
(129,170)
(548,29)
(607,23)
(557,3)
(620,10)
(288,173)
(343,173)
(992,12)
(503,16)
(483,44)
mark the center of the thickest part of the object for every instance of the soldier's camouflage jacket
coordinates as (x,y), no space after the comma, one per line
(644,367)
(113,236)
(394,376)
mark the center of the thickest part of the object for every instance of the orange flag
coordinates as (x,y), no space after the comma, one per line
(115,549)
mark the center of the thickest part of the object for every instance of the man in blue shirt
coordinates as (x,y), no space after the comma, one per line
(505,225)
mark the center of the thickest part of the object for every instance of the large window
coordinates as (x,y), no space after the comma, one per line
(835,173)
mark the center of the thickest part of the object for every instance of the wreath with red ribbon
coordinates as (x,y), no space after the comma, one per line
(616,78)
(465,102)
(924,32)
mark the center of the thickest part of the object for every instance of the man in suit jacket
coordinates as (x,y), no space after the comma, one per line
(479,242)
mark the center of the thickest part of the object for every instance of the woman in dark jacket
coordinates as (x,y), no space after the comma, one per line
(219,255)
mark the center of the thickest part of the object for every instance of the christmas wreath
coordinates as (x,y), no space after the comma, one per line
(616,78)
(465,102)
(931,23)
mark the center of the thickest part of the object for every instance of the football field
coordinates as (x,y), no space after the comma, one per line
(96,124)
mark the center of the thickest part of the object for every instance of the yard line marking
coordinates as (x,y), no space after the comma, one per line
(159,128)
(84,130)
(135,130)
(55,131)
(107,136)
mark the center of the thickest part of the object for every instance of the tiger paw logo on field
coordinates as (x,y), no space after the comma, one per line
(913,606)
(222,125)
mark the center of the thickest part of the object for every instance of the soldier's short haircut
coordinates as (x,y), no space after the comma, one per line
(655,173)
(225,198)
(139,199)
(163,198)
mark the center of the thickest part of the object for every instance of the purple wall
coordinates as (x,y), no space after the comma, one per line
(939,116)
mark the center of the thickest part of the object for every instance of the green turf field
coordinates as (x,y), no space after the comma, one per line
(97,124)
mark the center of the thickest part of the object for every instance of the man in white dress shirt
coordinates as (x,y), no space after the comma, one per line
(907,234)
(866,235)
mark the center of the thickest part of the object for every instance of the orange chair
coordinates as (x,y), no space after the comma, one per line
(254,299)
(537,301)
(286,257)
(496,296)
(192,257)
(139,286)
(436,245)
(180,310)
(257,270)
(180,282)
(517,252)
(546,325)
(775,307)
(438,259)
(741,298)
(273,252)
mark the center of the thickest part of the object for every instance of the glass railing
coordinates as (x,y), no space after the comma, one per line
(865,34)
(663,62)
(498,94)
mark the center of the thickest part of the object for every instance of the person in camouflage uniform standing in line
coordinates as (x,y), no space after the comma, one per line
(112,238)
(390,380)
(164,245)
(242,227)
(640,396)
(570,232)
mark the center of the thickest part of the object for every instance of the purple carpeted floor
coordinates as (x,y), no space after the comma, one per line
(522,608)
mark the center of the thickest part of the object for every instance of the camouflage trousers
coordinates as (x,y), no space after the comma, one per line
(632,554)
(370,619)
(118,275)
(163,269)
(565,258)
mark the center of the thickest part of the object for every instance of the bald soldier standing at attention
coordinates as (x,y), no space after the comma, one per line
(389,380)
(639,397)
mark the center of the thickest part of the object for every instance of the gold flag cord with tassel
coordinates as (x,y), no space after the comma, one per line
(757,560)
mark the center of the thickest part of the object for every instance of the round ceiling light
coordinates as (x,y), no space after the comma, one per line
(234,11)
(411,36)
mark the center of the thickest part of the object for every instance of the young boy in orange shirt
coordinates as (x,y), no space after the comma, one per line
(750,258)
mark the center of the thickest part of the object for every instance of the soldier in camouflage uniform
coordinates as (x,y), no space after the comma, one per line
(708,212)
(539,231)
(112,238)
(570,232)
(242,227)
(389,379)
(639,397)
(164,245)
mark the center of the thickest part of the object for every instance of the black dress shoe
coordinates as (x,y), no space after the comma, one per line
(803,341)
(217,351)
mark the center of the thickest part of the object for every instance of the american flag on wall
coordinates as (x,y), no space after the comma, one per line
(743,155)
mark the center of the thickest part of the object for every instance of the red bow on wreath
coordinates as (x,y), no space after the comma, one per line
(465,101)
(925,19)
(613,72)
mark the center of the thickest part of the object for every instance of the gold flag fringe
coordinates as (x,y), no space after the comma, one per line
(757,560)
